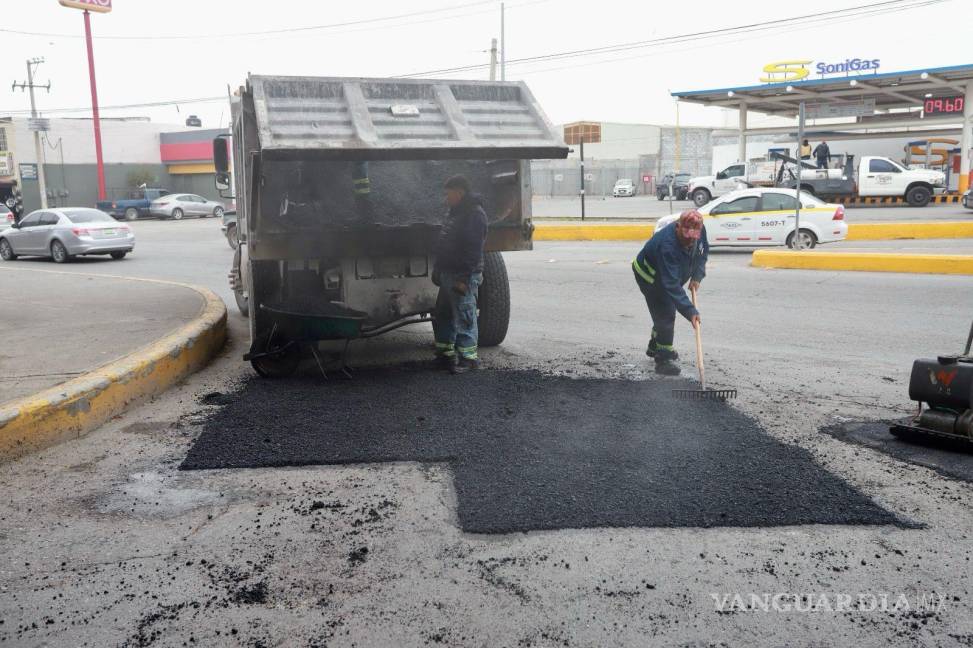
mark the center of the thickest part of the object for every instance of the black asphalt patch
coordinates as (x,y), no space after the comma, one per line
(531,451)
(949,458)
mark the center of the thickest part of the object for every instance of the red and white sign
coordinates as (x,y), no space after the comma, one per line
(101,6)
(646,178)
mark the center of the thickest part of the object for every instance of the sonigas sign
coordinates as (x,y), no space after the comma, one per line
(101,6)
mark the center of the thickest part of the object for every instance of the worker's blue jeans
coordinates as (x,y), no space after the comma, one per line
(454,318)
(661,309)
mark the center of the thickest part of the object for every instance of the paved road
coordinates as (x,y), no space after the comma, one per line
(641,207)
(106,542)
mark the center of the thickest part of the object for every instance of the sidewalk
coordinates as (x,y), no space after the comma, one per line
(56,326)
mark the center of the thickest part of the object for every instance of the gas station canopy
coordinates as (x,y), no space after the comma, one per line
(891,90)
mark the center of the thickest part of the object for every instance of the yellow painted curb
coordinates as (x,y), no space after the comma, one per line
(75,407)
(593,232)
(919,230)
(856,231)
(865,262)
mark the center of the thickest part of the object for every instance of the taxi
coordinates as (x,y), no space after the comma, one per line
(765,217)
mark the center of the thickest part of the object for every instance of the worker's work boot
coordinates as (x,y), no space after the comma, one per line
(665,363)
(447,362)
(464,365)
(654,348)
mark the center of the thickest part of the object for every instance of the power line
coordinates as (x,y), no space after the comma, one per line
(771,30)
(888,6)
(805,21)
(150,104)
(269,32)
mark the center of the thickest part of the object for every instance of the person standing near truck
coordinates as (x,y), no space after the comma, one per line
(675,254)
(805,150)
(822,154)
(458,271)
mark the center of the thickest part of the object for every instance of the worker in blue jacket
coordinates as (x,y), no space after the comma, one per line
(674,255)
(458,271)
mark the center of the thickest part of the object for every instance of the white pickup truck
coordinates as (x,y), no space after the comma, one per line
(875,176)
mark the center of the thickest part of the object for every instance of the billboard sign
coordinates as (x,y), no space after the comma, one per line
(28,172)
(840,109)
(100,6)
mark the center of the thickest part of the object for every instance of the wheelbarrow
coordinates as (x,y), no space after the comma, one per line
(298,325)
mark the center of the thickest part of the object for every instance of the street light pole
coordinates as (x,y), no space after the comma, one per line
(94,107)
(582,176)
(503,43)
(493,59)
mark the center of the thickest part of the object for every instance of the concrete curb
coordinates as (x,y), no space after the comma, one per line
(924,230)
(865,262)
(856,231)
(74,408)
(593,232)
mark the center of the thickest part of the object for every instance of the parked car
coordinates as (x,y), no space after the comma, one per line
(6,217)
(134,206)
(765,217)
(66,232)
(229,228)
(680,186)
(176,206)
(624,187)
(967,202)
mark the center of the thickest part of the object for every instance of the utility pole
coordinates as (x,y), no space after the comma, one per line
(34,124)
(503,45)
(493,59)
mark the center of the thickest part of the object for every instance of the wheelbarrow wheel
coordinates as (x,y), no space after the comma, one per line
(277,365)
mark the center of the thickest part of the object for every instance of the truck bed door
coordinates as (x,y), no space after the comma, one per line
(881,178)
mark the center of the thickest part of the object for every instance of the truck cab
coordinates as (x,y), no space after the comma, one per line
(880,176)
(703,189)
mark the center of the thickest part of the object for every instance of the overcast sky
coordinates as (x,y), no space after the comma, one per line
(627,86)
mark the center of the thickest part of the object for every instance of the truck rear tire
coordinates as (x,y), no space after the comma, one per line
(701,197)
(493,301)
(131,214)
(918,196)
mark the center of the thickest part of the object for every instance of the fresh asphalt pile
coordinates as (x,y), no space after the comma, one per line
(950,458)
(532,451)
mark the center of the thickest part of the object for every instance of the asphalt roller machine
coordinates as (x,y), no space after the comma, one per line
(943,389)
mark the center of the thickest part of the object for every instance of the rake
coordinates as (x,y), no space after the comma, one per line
(702,393)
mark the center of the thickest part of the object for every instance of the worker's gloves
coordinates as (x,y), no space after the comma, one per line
(461,288)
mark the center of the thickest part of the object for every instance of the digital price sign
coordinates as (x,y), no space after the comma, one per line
(943,106)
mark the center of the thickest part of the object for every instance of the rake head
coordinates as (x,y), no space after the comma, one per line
(704,394)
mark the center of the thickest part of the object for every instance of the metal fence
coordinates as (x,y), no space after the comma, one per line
(563,177)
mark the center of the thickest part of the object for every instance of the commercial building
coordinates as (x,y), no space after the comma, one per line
(135,151)
(612,151)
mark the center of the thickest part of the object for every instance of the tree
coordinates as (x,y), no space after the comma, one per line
(139,177)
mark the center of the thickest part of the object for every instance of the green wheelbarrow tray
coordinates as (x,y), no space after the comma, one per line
(311,319)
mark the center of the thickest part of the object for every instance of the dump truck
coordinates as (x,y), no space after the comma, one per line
(338,186)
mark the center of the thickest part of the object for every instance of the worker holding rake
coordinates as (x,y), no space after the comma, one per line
(675,254)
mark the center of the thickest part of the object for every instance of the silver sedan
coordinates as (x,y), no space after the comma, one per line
(66,232)
(177,205)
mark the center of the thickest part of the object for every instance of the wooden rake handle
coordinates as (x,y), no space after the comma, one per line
(699,345)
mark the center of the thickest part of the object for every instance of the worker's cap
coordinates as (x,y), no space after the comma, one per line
(690,224)
(458,182)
